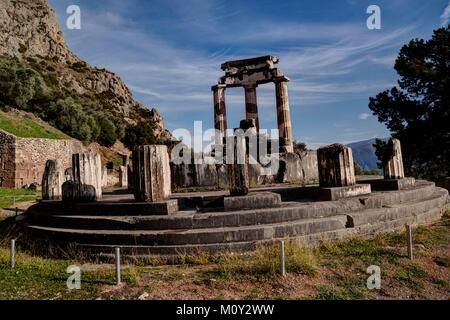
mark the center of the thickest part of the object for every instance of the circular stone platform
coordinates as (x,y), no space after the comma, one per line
(202,224)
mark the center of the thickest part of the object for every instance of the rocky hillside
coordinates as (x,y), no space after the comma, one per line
(35,55)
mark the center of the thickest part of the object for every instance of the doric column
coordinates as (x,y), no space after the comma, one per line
(393,168)
(87,170)
(336,167)
(284,115)
(151,173)
(251,105)
(220,112)
(52,180)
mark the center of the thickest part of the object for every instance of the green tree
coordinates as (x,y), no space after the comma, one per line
(68,116)
(140,134)
(107,135)
(417,111)
(19,84)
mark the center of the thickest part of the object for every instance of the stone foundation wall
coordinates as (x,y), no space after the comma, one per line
(7,156)
(22,160)
(32,153)
(293,168)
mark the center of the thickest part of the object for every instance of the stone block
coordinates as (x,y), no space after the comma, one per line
(52,180)
(336,167)
(237,166)
(252,201)
(123,176)
(336,193)
(87,170)
(76,192)
(151,173)
(390,184)
(393,168)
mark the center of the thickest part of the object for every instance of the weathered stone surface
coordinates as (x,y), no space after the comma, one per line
(251,105)
(22,160)
(336,193)
(390,184)
(130,177)
(104,176)
(336,167)
(284,115)
(237,165)
(151,170)
(220,113)
(298,168)
(248,73)
(123,176)
(76,192)
(87,170)
(393,168)
(68,174)
(252,201)
(52,181)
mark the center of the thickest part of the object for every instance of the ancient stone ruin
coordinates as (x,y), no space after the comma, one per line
(153,221)
(151,173)
(52,180)
(87,178)
(249,73)
(337,173)
(237,165)
(393,168)
(336,168)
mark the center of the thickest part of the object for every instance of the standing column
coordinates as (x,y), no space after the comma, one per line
(284,115)
(220,112)
(251,106)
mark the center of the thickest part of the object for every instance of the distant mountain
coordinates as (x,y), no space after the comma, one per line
(364,154)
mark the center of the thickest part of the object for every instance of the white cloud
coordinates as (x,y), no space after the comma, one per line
(445,16)
(364,116)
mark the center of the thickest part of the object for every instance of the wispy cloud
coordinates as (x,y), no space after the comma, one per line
(169,54)
(445,16)
(364,116)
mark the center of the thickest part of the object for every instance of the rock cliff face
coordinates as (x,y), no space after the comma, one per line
(29,31)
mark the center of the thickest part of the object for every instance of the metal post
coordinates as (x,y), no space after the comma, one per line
(409,240)
(282,259)
(118,280)
(13,253)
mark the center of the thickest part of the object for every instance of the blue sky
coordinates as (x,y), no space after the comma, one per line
(169,53)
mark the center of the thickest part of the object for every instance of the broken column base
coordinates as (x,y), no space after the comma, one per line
(167,207)
(390,184)
(252,201)
(335,193)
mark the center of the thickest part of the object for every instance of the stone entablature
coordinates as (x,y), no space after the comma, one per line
(22,160)
(249,73)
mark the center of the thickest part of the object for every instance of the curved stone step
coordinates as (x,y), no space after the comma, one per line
(190,236)
(291,211)
(398,211)
(174,253)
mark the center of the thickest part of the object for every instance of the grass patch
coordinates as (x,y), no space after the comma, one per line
(442,261)
(25,126)
(325,292)
(7,196)
(265,263)
(38,278)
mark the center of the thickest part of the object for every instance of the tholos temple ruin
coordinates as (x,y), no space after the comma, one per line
(313,196)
